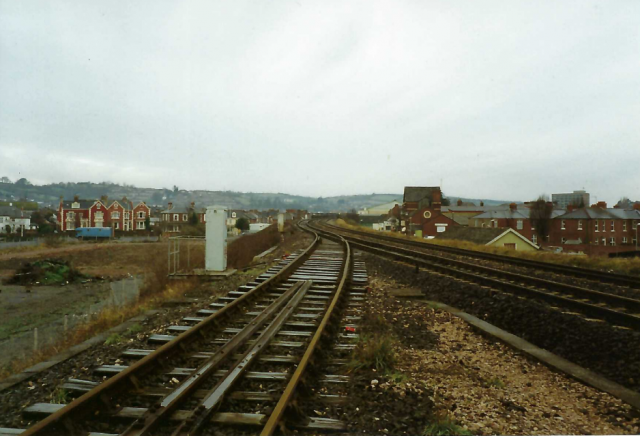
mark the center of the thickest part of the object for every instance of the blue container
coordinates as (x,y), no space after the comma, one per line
(94,232)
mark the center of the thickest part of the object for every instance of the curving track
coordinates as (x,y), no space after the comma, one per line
(613,308)
(245,361)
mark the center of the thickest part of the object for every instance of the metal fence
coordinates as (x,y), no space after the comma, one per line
(26,344)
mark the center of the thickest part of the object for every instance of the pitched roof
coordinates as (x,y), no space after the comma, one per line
(84,204)
(12,212)
(504,214)
(478,235)
(126,205)
(599,213)
(178,209)
(418,193)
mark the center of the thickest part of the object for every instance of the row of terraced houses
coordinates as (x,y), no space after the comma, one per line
(575,227)
(117,214)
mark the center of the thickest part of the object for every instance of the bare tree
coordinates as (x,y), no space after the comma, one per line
(540,216)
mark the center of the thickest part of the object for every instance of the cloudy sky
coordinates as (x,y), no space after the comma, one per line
(493,99)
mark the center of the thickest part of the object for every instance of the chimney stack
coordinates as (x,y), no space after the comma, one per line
(459,202)
(193,205)
(513,207)
(170,206)
(602,204)
(571,208)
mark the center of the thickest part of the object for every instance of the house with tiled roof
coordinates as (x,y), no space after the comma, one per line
(489,236)
(596,230)
(173,218)
(13,219)
(116,214)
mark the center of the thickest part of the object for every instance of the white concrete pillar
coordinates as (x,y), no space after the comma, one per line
(281,222)
(216,237)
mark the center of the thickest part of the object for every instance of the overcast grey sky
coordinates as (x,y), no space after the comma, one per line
(496,99)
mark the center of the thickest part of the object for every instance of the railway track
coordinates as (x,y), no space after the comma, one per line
(249,360)
(584,273)
(615,309)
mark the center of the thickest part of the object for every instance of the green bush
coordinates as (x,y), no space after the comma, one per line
(373,352)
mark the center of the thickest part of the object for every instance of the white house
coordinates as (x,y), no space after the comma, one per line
(15,218)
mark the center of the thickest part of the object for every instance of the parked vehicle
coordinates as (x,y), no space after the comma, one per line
(97,233)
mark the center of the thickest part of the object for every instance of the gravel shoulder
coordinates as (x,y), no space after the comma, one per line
(445,368)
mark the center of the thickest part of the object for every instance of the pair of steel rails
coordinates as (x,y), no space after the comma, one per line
(600,276)
(613,308)
(266,324)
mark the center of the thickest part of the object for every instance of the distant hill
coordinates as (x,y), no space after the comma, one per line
(49,195)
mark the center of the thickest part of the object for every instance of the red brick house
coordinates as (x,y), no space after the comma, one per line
(119,215)
(420,211)
(429,221)
(596,230)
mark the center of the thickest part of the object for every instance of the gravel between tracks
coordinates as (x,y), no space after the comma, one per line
(487,388)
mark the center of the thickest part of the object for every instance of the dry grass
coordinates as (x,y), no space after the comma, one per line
(161,289)
(14,250)
(620,266)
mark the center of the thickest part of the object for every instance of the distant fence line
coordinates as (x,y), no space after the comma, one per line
(69,239)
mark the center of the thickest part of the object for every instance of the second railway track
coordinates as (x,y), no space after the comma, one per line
(615,309)
(246,361)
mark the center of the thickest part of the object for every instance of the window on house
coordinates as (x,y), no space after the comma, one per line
(141,215)
(612,242)
(624,226)
(534,238)
(597,226)
(510,246)
(624,240)
(126,215)
(613,228)
(604,241)
(117,226)
(595,241)
(579,224)
(562,225)
(176,228)
(604,226)
(75,205)
(140,225)
(233,214)
(70,216)
(564,240)
(519,225)
(115,215)
(634,241)
(184,217)
(476,221)
(176,217)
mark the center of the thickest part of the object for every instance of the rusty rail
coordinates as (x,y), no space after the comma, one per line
(279,411)
(62,420)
